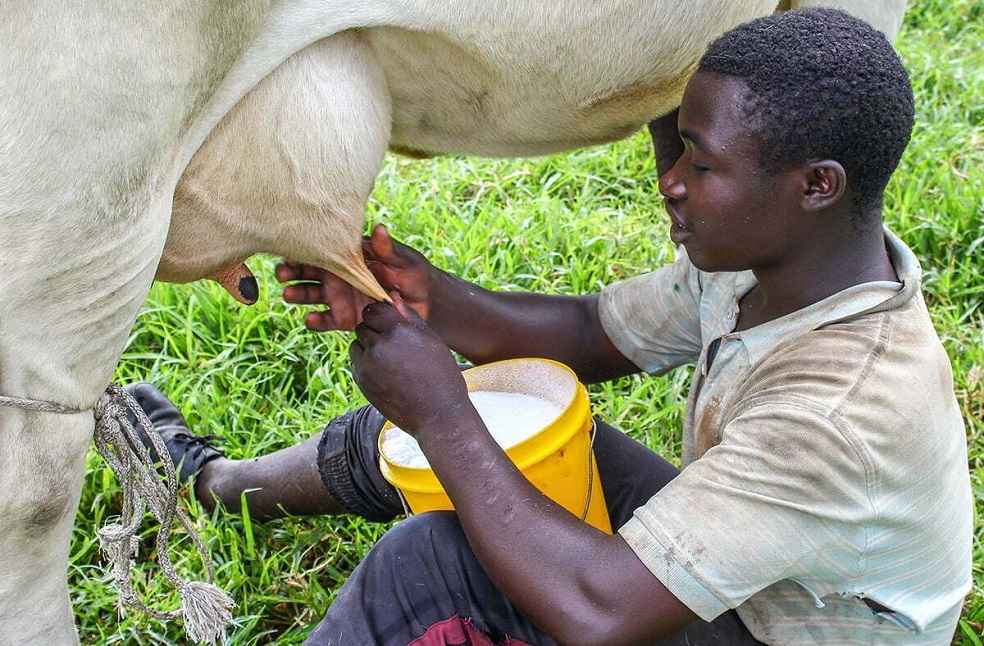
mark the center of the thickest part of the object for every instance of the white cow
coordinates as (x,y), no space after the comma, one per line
(103,106)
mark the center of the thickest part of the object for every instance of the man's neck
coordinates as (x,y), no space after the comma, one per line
(826,266)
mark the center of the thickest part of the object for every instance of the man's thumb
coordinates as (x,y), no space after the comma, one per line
(382,244)
(405,310)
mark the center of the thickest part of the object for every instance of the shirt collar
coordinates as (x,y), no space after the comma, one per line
(851,303)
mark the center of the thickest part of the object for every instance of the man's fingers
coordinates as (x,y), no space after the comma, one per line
(380,247)
(288,271)
(381,317)
(366,336)
(342,299)
(345,303)
(355,358)
(322,322)
(405,310)
(285,271)
(305,295)
(382,243)
(400,306)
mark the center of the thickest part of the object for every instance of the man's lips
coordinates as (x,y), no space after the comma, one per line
(680,230)
(675,216)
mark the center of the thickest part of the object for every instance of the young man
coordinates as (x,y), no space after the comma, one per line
(825,497)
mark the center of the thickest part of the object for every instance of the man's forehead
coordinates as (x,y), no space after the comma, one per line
(713,108)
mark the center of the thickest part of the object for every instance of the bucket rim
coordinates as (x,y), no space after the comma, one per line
(574,418)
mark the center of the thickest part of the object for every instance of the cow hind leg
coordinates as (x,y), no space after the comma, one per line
(41,481)
(71,289)
(289,170)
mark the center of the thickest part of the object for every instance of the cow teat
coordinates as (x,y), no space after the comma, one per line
(239,281)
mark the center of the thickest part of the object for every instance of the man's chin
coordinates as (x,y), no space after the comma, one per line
(707,262)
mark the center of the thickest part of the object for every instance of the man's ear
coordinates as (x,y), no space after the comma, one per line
(824,184)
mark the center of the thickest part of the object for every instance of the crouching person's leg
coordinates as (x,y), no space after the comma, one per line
(422,585)
(334,472)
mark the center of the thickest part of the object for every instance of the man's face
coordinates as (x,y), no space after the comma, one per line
(725,209)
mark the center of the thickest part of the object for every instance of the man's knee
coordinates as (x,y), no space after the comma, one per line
(422,538)
(422,562)
(348,462)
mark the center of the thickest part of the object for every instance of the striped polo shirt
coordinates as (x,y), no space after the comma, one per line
(825,493)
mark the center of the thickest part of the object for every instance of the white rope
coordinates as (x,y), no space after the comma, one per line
(206,609)
(37,405)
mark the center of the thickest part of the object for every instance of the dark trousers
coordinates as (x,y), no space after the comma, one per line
(422,585)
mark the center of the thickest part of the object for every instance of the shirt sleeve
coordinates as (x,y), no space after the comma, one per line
(783,496)
(654,319)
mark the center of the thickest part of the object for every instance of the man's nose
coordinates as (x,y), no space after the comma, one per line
(671,186)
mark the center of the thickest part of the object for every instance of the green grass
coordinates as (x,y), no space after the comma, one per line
(563,224)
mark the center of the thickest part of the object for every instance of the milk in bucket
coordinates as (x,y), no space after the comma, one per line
(540,414)
(510,418)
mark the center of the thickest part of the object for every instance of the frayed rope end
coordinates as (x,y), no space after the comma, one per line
(207,611)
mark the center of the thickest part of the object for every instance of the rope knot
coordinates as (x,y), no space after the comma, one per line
(99,410)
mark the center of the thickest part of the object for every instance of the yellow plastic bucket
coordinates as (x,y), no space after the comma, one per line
(558,459)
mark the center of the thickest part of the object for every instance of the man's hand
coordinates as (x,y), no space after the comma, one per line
(398,268)
(481,325)
(405,370)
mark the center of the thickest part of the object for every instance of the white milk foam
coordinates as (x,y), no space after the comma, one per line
(510,418)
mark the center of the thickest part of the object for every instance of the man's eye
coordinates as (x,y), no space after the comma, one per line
(699,168)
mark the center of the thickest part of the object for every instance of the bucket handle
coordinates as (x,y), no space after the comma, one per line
(587,499)
(403,501)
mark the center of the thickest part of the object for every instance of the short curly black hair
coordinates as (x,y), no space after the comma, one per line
(824,85)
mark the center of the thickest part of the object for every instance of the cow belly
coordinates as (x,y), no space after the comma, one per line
(562,75)
(475,107)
